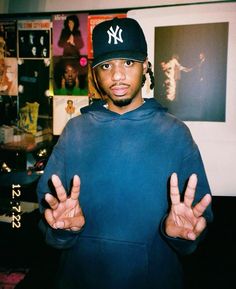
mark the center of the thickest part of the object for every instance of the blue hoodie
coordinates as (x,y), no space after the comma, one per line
(124,162)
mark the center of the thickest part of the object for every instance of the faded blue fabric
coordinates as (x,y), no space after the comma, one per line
(124,162)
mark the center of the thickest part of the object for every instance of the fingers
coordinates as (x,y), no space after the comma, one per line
(75,188)
(176,231)
(49,217)
(183,232)
(200,207)
(190,191)
(52,201)
(74,224)
(200,226)
(185,220)
(65,212)
(174,189)
(198,229)
(61,193)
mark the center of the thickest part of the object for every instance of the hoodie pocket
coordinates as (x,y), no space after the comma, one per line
(107,264)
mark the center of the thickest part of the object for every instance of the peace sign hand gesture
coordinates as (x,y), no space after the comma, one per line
(65,211)
(184,220)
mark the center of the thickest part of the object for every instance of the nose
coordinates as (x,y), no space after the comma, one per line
(118,73)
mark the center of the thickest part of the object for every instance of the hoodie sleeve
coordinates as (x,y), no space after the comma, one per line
(56,165)
(192,163)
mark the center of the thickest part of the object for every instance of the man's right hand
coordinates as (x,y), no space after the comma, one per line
(65,211)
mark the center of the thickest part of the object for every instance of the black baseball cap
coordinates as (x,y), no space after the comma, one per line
(119,38)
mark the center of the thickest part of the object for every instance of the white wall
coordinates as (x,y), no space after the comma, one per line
(29,6)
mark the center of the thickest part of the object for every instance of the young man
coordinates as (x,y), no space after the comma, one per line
(127,215)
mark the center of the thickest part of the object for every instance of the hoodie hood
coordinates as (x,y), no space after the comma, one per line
(98,111)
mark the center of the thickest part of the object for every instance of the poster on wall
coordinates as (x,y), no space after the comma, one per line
(34,38)
(33,80)
(190,69)
(70,35)
(8,76)
(200,40)
(64,108)
(8,38)
(70,63)
(70,76)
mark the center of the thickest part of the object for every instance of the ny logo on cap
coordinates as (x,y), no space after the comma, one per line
(115,35)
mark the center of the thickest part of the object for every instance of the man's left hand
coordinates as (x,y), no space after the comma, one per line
(184,220)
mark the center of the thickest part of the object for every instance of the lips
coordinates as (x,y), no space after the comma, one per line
(119,90)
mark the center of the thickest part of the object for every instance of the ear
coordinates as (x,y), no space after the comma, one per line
(145,66)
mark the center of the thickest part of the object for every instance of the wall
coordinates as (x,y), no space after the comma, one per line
(29,6)
(4,6)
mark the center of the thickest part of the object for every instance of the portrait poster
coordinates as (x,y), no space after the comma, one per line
(188,34)
(70,76)
(8,76)
(191,78)
(70,41)
(70,63)
(34,38)
(8,37)
(64,108)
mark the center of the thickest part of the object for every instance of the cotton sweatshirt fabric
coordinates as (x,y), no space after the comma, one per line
(124,162)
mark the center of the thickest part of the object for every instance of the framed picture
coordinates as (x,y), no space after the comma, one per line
(8,76)
(70,75)
(191,70)
(70,35)
(8,37)
(193,52)
(33,81)
(34,38)
(64,108)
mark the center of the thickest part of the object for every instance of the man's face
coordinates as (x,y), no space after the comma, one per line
(70,75)
(121,80)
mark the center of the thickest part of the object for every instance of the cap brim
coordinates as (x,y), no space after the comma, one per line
(130,55)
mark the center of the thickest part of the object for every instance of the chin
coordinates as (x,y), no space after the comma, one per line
(122,102)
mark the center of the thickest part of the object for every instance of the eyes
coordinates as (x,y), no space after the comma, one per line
(108,65)
(105,66)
